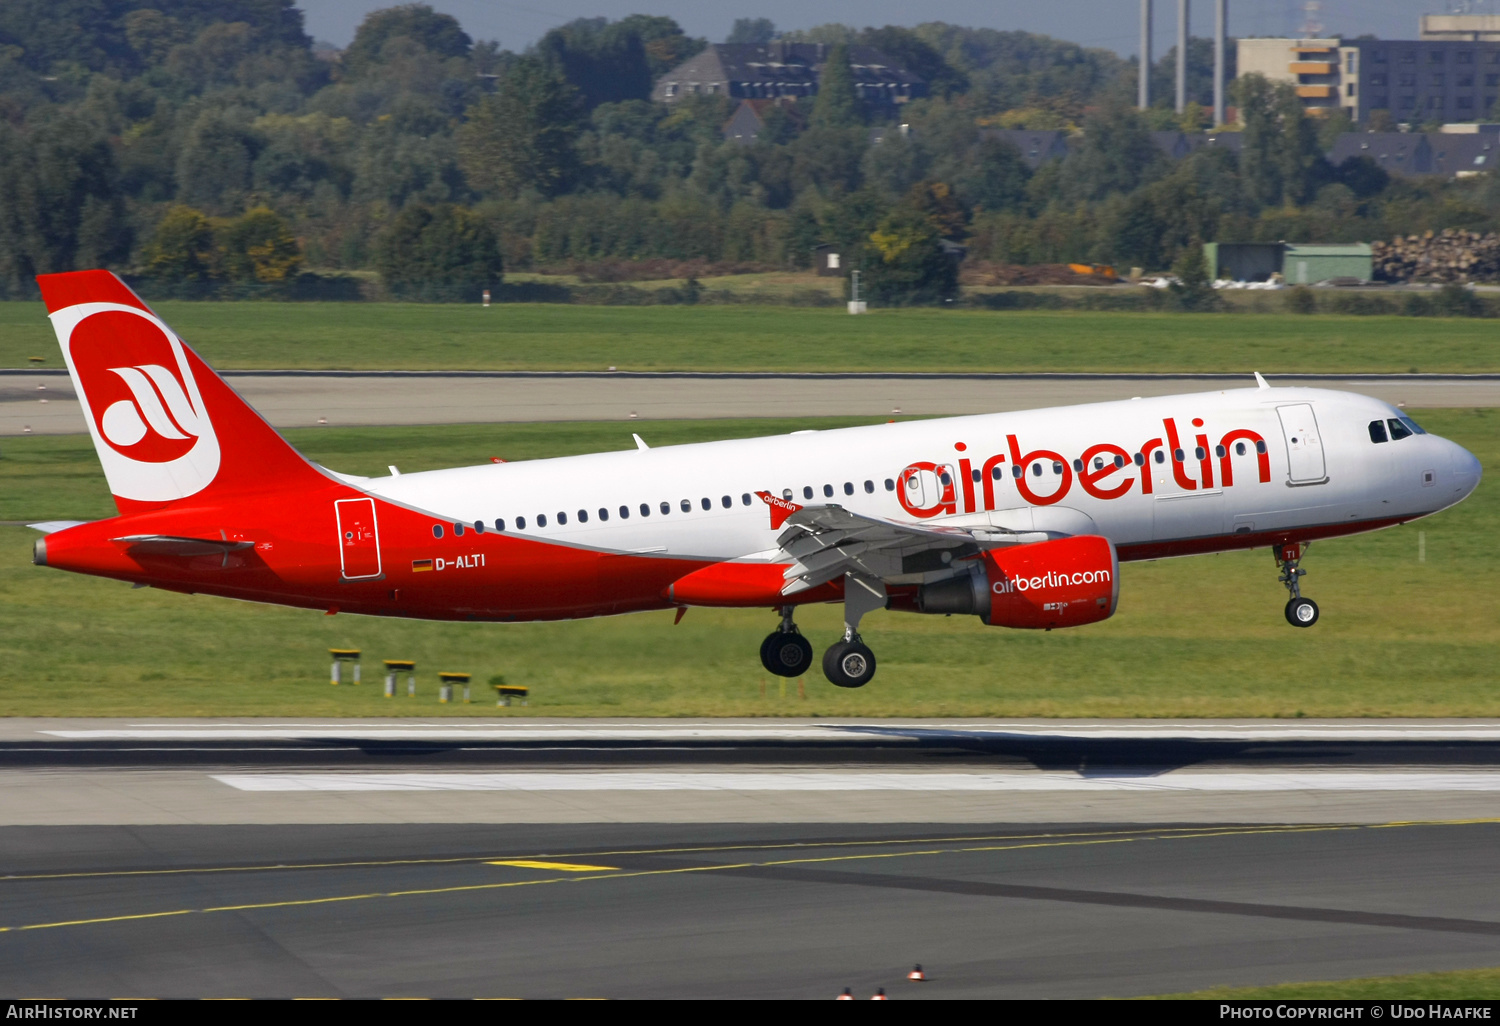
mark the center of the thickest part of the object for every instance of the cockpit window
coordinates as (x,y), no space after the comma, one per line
(1398,429)
(1416,428)
(1377,432)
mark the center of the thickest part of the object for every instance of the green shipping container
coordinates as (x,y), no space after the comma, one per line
(1308,265)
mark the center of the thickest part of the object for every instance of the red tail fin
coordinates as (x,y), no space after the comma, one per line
(166,427)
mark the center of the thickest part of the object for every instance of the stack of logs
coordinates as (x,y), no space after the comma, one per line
(1451,255)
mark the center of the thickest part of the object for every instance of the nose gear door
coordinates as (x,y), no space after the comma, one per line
(1304,446)
(359,539)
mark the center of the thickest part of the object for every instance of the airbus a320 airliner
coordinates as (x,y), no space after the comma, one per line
(1020,519)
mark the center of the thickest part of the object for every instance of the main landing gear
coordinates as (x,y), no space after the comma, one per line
(848,663)
(785,652)
(1300,612)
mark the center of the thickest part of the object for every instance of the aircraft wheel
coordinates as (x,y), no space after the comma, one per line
(849,664)
(786,654)
(1301,612)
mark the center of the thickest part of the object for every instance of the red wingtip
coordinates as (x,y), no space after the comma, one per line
(61,291)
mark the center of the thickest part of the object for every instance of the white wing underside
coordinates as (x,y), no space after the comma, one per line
(823,543)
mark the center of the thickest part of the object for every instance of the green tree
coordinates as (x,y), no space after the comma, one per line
(837,105)
(182,247)
(904,263)
(213,165)
(438,34)
(752,31)
(523,136)
(993,176)
(258,246)
(442,252)
(1280,160)
(1193,290)
(605,62)
(1116,154)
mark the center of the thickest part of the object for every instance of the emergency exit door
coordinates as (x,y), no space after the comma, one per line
(1304,446)
(359,539)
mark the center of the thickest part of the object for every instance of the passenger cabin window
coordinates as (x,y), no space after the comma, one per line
(807,492)
(1036,470)
(848,487)
(603,513)
(687,505)
(1377,432)
(479,527)
(890,485)
(995,472)
(645,509)
(1161,457)
(828,491)
(869,487)
(1078,465)
(1179,455)
(666,508)
(562,518)
(1220,451)
(1140,459)
(541,520)
(1200,453)
(437,530)
(624,512)
(520,523)
(1398,430)
(1260,447)
(499,524)
(458,530)
(745,499)
(726,502)
(1057,468)
(786,493)
(583,516)
(1015,470)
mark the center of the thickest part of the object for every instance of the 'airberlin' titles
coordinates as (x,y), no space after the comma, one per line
(1102,471)
(1050,579)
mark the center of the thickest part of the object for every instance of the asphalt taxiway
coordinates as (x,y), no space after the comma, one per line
(527,857)
(42,402)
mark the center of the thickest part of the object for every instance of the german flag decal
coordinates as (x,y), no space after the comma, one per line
(418,565)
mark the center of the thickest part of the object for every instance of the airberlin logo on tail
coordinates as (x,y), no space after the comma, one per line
(153,435)
(157,417)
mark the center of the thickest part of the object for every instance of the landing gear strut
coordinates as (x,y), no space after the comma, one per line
(1300,612)
(785,652)
(850,663)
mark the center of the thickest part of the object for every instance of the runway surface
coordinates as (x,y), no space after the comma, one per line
(304,399)
(756,858)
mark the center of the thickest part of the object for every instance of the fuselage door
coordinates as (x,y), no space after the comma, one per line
(1304,446)
(359,539)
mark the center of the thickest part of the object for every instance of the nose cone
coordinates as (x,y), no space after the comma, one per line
(1464,466)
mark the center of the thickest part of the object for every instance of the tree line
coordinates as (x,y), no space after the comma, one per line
(211,144)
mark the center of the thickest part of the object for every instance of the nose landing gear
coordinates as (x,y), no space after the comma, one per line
(1300,612)
(785,652)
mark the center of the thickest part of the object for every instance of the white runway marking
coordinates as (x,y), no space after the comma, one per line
(809,732)
(340,732)
(794,781)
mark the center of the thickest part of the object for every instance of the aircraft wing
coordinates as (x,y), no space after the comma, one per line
(825,542)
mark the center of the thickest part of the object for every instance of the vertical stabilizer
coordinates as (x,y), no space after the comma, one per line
(166,427)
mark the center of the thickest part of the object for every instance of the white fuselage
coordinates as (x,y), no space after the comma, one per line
(1320,468)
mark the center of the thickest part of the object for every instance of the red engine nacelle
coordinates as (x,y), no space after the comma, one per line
(1062,583)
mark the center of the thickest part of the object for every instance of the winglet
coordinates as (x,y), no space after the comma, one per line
(1260,381)
(780,508)
(640,443)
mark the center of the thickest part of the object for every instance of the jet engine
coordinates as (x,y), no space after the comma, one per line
(1062,583)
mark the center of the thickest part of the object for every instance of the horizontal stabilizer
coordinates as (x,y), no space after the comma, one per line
(53,526)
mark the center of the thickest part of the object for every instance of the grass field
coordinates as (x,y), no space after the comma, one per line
(1460,985)
(543,337)
(1198,637)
